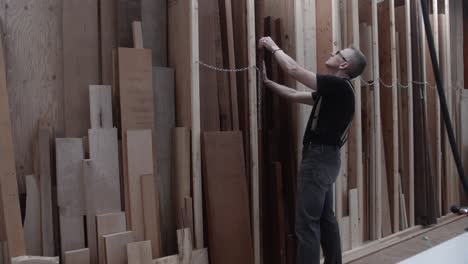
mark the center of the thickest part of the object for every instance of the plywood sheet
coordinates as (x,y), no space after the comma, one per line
(108,224)
(32,222)
(181,184)
(179,58)
(116,247)
(70,194)
(164,104)
(100,104)
(139,252)
(81,62)
(224,165)
(154,24)
(140,162)
(45,178)
(35,73)
(151,219)
(79,256)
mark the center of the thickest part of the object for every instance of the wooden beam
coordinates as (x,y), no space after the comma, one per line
(32,222)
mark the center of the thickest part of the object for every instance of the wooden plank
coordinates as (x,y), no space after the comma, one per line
(154,23)
(384,194)
(70,197)
(35,260)
(164,103)
(127,12)
(181,183)
(354,214)
(79,256)
(151,219)
(89,176)
(136,100)
(224,163)
(108,37)
(209,100)
(345,232)
(116,247)
(108,224)
(324,33)
(199,256)
(184,241)
(137,35)
(47,228)
(280,213)
(180,57)
(81,63)
(188,211)
(139,252)
(35,46)
(100,106)
(32,222)
(140,162)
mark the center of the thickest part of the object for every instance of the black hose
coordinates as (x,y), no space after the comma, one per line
(442,99)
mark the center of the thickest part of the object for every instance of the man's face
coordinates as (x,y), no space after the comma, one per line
(339,60)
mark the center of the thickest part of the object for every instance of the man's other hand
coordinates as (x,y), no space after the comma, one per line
(268,43)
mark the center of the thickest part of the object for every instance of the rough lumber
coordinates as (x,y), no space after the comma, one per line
(116,247)
(164,104)
(100,106)
(151,219)
(81,62)
(108,224)
(224,164)
(139,252)
(45,178)
(154,25)
(32,222)
(79,256)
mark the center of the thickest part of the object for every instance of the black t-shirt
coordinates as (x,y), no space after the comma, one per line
(336,110)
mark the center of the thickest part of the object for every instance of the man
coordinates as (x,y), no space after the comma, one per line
(332,98)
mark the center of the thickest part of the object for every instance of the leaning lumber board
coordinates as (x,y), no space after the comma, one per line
(127,12)
(108,37)
(345,233)
(164,103)
(70,198)
(89,174)
(184,242)
(136,100)
(154,25)
(35,260)
(11,229)
(151,219)
(79,256)
(80,62)
(354,214)
(179,29)
(139,252)
(32,222)
(181,183)
(47,228)
(224,165)
(140,162)
(108,224)
(100,106)
(116,247)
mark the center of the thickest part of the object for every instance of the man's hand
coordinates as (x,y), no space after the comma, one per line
(268,43)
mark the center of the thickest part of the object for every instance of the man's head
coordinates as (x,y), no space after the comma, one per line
(350,61)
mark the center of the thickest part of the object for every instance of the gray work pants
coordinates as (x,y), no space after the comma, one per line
(315,220)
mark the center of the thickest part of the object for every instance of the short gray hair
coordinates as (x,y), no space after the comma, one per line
(357,62)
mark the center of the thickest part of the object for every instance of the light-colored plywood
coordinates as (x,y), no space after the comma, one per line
(32,222)
(35,260)
(137,35)
(139,252)
(108,37)
(116,247)
(164,104)
(34,73)
(140,162)
(79,256)
(108,224)
(100,106)
(45,178)
(154,24)
(181,184)
(136,101)
(151,219)
(70,195)
(81,62)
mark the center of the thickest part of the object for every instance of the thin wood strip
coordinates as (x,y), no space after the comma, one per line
(137,35)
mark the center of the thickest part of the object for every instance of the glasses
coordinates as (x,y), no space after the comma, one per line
(338,52)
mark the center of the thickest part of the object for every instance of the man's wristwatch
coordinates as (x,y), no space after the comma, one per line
(276,50)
